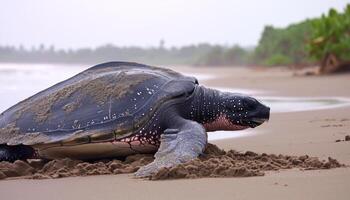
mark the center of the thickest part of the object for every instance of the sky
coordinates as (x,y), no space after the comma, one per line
(80,23)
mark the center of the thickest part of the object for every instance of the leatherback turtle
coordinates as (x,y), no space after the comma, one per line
(120,108)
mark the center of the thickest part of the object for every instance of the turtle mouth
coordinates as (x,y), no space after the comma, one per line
(262,116)
(238,127)
(255,122)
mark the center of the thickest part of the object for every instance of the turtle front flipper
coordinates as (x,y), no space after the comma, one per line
(177,146)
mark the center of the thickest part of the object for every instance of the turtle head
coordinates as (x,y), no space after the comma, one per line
(228,111)
(241,111)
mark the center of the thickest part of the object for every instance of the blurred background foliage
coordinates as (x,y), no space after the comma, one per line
(331,35)
(304,43)
(284,46)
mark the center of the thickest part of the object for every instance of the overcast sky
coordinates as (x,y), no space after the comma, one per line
(76,23)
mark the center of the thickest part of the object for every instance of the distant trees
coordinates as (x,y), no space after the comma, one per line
(330,40)
(201,54)
(284,46)
(229,56)
(325,40)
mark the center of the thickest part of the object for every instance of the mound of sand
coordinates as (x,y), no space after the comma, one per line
(213,163)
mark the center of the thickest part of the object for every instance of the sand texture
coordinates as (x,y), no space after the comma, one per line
(213,163)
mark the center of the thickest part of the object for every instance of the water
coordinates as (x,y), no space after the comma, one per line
(19,81)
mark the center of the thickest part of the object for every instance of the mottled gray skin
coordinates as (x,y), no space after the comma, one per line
(118,109)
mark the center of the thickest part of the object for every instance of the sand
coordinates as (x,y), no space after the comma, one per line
(312,132)
(213,163)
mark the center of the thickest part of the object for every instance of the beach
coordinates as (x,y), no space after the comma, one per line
(311,132)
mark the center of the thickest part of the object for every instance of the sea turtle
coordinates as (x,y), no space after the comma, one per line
(120,108)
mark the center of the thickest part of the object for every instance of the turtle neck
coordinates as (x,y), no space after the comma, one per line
(206,105)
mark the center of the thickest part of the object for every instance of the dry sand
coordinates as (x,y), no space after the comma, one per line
(299,133)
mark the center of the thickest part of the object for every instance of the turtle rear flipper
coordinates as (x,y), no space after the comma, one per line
(177,146)
(18,152)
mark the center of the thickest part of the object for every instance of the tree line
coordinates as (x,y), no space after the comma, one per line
(201,54)
(302,43)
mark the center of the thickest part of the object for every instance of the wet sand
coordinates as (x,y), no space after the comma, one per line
(299,133)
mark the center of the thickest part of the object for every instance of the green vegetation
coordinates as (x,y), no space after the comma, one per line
(229,56)
(330,41)
(325,39)
(284,46)
(277,60)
